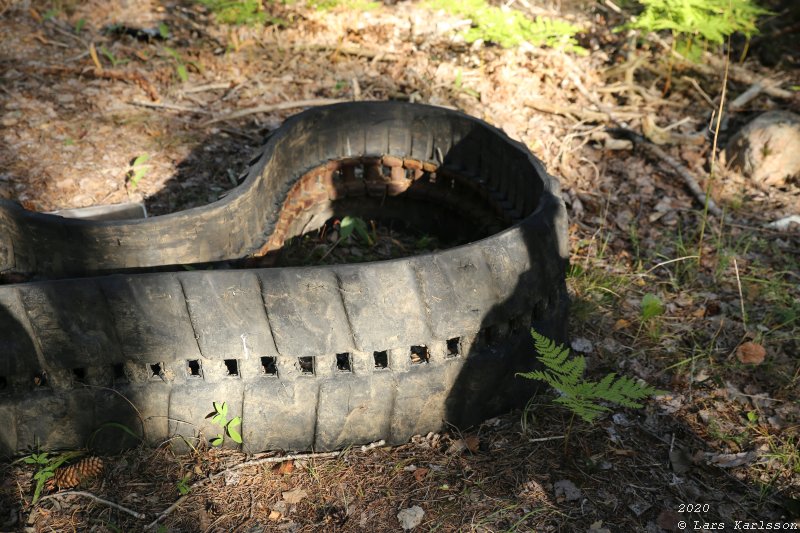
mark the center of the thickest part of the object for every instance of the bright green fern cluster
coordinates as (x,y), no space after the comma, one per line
(565,374)
(699,20)
(509,27)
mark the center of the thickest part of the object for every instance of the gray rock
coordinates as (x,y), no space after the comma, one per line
(566,489)
(411,517)
(767,150)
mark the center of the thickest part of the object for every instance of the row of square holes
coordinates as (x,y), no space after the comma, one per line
(344,362)
(418,354)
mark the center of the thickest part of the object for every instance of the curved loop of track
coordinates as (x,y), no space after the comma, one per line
(154,350)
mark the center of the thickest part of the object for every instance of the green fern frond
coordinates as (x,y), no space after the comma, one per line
(704,20)
(509,27)
(565,374)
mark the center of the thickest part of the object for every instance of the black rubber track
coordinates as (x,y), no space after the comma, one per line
(396,347)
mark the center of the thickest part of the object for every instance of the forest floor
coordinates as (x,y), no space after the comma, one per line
(82,96)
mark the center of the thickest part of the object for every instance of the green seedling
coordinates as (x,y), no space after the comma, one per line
(458,85)
(163,31)
(79,25)
(111,57)
(47,467)
(220,418)
(138,170)
(354,5)
(582,397)
(242,12)
(180,64)
(651,307)
(183,485)
(354,224)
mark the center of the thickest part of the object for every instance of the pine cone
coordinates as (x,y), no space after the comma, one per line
(71,476)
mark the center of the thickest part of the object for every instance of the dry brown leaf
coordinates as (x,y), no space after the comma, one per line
(473,443)
(275,515)
(295,496)
(621,324)
(286,467)
(751,353)
(623,452)
(420,473)
(95,59)
(457,446)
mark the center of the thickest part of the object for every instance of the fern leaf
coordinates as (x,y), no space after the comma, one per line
(565,374)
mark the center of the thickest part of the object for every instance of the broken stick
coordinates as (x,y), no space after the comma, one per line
(676,166)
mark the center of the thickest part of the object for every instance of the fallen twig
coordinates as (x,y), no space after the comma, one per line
(744,98)
(699,90)
(135,514)
(167,105)
(572,112)
(349,49)
(545,439)
(248,464)
(712,66)
(208,87)
(679,168)
(118,75)
(268,108)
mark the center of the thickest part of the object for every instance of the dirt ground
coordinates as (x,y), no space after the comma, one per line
(81,101)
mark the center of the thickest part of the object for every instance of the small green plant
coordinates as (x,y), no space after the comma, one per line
(240,12)
(47,467)
(565,374)
(220,418)
(138,170)
(114,60)
(183,485)
(458,86)
(651,307)
(509,27)
(163,30)
(236,12)
(699,21)
(79,25)
(354,224)
(355,5)
(426,242)
(181,63)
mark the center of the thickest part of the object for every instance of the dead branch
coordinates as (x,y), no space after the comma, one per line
(117,75)
(350,50)
(743,99)
(580,113)
(274,107)
(712,65)
(167,105)
(135,514)
(676,166)
(248,464)
(572,112)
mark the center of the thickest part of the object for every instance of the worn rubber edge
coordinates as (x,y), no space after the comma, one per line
(168,318)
